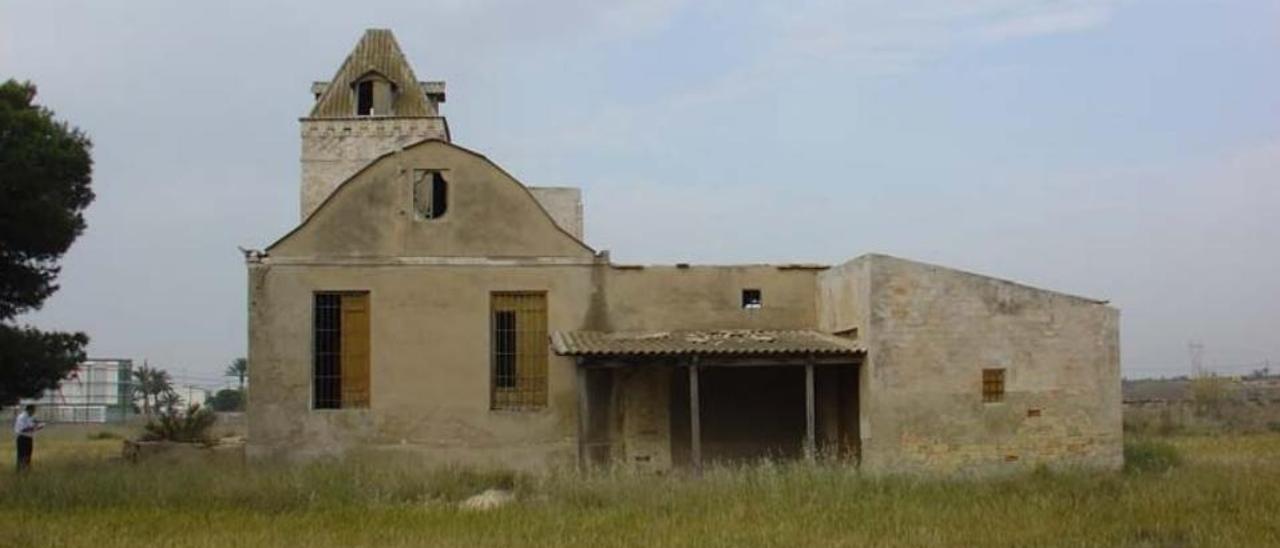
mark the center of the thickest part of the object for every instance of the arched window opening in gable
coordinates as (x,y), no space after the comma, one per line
(430,194)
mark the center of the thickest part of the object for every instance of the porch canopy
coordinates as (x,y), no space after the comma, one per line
(706,347)
(694,350)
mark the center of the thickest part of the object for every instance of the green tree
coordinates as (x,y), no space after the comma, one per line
(227,399)
(45,171)
(239,369)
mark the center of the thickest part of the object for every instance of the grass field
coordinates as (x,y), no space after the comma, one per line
(1225,492)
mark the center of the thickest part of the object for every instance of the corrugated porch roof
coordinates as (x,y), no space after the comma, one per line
(715,342)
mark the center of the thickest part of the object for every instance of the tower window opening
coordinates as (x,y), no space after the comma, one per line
(364,98)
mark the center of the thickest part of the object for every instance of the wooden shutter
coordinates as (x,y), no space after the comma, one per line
(520,350)
(355,350)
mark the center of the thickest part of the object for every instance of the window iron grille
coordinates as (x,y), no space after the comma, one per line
(992,385)
(340,374)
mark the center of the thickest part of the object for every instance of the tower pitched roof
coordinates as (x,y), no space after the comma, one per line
(377,52)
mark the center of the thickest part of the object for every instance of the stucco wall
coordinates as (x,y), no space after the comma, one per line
(706,297)
(931,330)
(335,149)
(430,364)
(642,416)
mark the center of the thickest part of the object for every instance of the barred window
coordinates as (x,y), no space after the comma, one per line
(992,385)
(340,360)
(520,347)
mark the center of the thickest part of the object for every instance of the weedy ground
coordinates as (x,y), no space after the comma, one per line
(1177,491)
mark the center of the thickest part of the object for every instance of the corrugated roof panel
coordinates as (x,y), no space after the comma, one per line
(376,51)
(707,342)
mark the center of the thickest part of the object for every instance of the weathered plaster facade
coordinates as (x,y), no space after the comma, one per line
(901,389)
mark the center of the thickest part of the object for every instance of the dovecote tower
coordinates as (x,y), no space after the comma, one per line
(373,105)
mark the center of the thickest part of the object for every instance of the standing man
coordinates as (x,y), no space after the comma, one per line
(25,429)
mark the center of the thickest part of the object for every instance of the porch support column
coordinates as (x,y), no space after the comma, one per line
(695,418)
(582,415)
(810,431)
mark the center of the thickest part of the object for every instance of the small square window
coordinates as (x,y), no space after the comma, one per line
(992,385)
(751,299)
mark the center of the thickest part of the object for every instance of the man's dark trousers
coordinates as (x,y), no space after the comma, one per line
(25,446)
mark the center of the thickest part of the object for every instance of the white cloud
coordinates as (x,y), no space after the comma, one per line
(865,38)
(878,35)
(1055,19)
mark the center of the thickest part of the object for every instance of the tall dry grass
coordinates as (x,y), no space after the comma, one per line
(1188,491)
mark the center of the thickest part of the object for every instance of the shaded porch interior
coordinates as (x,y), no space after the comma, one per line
(760,412)
(644,416)
(689,409)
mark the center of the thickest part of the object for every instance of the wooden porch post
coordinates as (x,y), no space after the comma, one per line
(695,419)
(582,415)
(810,432)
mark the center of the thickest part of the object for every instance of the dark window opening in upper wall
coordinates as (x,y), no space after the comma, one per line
(430,194)
(752,299)
(364,98)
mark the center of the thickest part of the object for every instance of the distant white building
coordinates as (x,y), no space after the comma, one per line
(99,390)
(191,394)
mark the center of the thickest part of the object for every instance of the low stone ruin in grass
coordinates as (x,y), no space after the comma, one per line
(181,435)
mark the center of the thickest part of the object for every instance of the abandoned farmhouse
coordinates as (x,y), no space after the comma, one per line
(431,302)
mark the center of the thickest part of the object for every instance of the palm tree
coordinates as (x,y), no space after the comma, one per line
(142,379)
(239,369)
(150,383)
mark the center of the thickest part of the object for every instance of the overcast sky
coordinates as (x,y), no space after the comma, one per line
(1123,150)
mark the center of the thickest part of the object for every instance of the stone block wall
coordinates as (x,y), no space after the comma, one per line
(931,331)
(335,149)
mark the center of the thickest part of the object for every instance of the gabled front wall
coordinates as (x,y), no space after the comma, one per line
(429,282)
(930,331)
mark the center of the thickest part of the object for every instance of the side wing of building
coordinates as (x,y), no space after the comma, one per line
(970,373)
